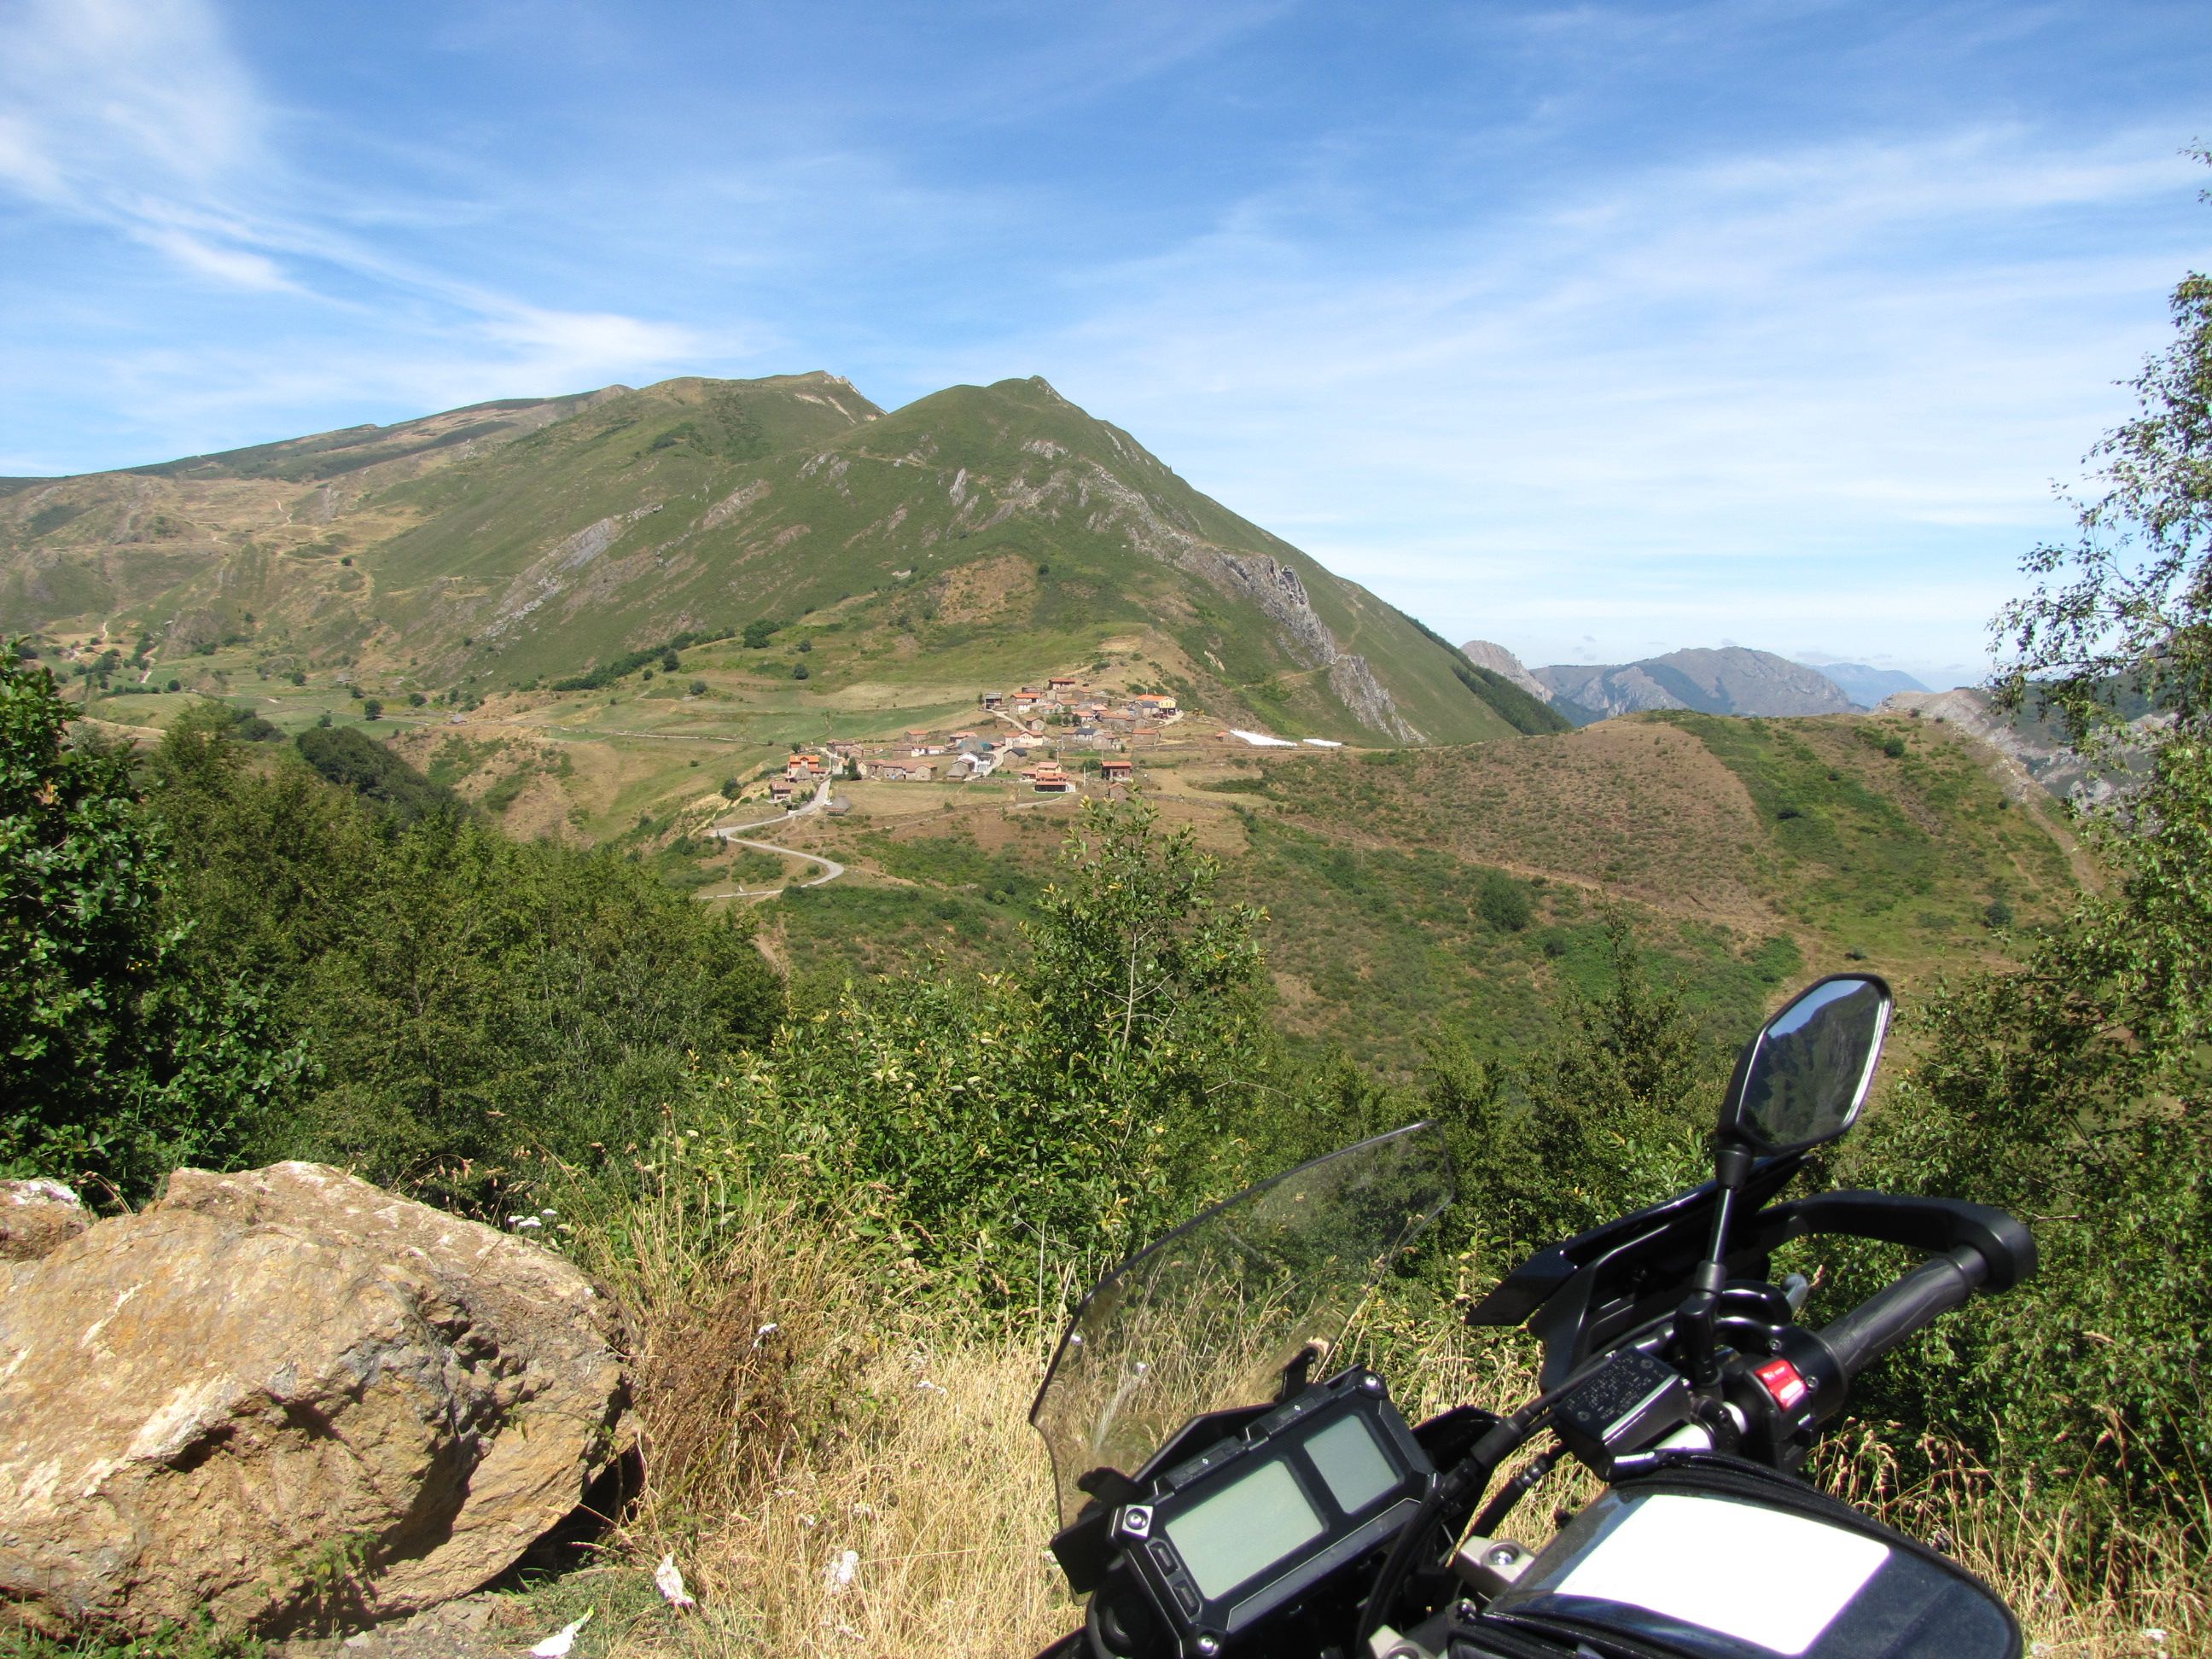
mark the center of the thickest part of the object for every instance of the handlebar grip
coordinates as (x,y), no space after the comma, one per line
(1882,1321)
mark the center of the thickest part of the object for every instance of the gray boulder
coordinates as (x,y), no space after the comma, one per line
(289,1398)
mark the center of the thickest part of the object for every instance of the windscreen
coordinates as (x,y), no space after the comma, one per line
(1206,1318)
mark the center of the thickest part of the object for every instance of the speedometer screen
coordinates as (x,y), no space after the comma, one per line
(1245,1528)
(1352,1463)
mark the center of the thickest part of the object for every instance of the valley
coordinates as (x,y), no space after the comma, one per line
(615,619)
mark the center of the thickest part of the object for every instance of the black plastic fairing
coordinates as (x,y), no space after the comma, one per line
(1578,1296)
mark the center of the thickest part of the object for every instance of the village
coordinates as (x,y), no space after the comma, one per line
(1029,730)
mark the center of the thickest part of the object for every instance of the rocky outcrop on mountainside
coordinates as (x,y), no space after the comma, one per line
(285,1398)
(1499,660)
(2035,744)
(1732,680)
(1274,586)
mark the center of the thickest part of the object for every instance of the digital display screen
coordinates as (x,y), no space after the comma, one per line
(1351,1463)
(1245,1528)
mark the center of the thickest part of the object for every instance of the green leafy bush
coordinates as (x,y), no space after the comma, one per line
(463,1001)
(117,1059)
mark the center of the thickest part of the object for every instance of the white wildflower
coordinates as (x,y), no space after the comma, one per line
(668,1579)
(556,1645)
(838,1575)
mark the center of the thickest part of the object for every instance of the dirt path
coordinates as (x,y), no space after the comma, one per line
(729,832)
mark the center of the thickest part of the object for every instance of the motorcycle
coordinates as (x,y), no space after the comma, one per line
(1218,1500)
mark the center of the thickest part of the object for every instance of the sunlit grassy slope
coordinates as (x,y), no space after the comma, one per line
(1417,893)
(978,537)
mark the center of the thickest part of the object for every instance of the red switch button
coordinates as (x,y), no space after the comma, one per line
(1781,1380)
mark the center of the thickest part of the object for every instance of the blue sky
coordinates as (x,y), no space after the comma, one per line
(1595,330)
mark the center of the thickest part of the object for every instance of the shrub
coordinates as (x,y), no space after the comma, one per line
(1503,902)
(345,757)
(116,1060)
(466,1002)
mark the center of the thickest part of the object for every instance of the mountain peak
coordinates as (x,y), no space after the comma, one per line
(1731,679)
(975,535)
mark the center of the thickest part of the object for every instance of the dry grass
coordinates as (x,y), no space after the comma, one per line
(832,1476)
(861,1478)
(2153,1580)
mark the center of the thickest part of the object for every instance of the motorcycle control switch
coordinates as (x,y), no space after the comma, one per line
(1632,1401)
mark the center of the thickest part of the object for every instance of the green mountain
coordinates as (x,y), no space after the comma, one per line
(977,537)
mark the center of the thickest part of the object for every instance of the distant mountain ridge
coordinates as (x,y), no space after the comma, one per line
(1728,680)
(976,536)
(1865,684)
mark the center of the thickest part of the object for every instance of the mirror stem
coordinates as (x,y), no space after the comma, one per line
(1694,1321)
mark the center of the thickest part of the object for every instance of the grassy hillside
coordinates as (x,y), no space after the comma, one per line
(979,536)
(1421,892)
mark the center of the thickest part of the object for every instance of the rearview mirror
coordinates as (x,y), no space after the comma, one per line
(1803,1080)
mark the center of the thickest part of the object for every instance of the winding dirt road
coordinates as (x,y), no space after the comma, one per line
(732,834)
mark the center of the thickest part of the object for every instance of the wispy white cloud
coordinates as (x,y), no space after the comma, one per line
(1878,353)
(139,117)
(1517,315)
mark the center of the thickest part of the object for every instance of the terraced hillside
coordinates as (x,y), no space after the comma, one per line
(980,536)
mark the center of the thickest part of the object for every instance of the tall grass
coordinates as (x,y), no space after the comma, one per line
(841,1466)
(835,1468)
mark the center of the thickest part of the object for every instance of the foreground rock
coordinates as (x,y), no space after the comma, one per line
(290,1398)
(36,1217)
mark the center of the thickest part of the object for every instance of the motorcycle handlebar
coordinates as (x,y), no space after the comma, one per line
(1881,1321)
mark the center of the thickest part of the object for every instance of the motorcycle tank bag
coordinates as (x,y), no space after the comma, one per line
(1714,1558)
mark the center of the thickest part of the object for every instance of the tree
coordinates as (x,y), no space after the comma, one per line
(372,709)
(1072,1107)
(2126,607)
(1146,992)
(799,670)
(2077,1090)
(670,662)
(114,1062)
(757,635)
(465,1001)
(1610,1116)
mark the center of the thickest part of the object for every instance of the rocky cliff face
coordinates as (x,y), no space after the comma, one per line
(2036,746)
(1499,660)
